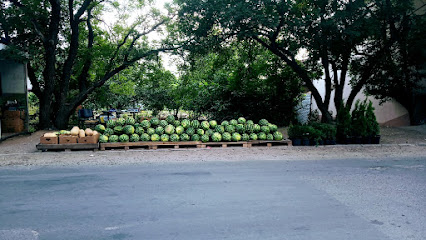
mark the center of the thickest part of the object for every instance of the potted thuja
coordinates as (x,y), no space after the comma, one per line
(373,128)
(359,122)
(344,126)
(295,133)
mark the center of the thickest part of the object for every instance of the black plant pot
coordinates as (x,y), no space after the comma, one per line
(357,140)
(305,142)
(321,142)
(348,140)
(375,139)
(296,141)
(366,140)
(327,142)
(332,142)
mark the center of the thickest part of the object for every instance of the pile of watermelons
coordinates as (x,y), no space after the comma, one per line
(171,129)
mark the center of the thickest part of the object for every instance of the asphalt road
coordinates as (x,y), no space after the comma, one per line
(327,199)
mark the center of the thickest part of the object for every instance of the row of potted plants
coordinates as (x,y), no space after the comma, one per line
(312,134)
(358,127)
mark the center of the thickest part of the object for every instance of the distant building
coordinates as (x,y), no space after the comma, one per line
(13,96)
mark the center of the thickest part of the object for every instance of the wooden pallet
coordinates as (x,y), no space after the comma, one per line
(190,144)
(67,147)
(269,143)
(148,145)
(223,144)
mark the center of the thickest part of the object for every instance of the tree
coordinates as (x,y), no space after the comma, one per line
(332,32)
(242,79)
(398,50)
(71,52)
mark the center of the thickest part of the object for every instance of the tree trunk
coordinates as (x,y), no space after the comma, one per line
(62,117)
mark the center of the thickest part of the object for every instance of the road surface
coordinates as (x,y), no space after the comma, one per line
(281,199)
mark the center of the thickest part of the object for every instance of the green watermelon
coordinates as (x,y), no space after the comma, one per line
(253,136)
(169,129)
(224,123)
(273,127)
(210,132)
(118,129)
(184,137)
(110,123)
(159,130)
(174,137)
(216,137)
(129,129)
(256,128)
(263,122)
(155,137)
(145,124)
(233,122)
(176,123)
(241,120)
(150,131)
(108,132)
(213,123)
(103,138)
(163,123)
(261,136)
(170,119)
(200,131)
(249,122)
(205,125)
(278,136)
(220,129)
(265,129)
(113,138)
(154,121)
(249,128)
(179,130)
(230,128)
(190,131)
(205,138)
(130,121)
(245,137)
(185,123)
(134,138)
(123,138)
(145,137)
(195,124)
(240,128)
(226,136)
(100,128)
(121,121)
(269,137)
(139,130)
(164,137)
(236,137)
(195,137)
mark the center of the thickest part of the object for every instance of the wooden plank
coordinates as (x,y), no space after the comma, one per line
(197,144)
(67,147)
(270,143)
(149,145)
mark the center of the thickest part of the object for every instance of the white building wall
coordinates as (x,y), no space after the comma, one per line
(389,113)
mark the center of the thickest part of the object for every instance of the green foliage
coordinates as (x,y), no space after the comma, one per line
(373,128)
(344,122)
(242,79)
(359,122)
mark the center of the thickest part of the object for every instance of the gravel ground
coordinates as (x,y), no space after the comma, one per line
(396,143)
